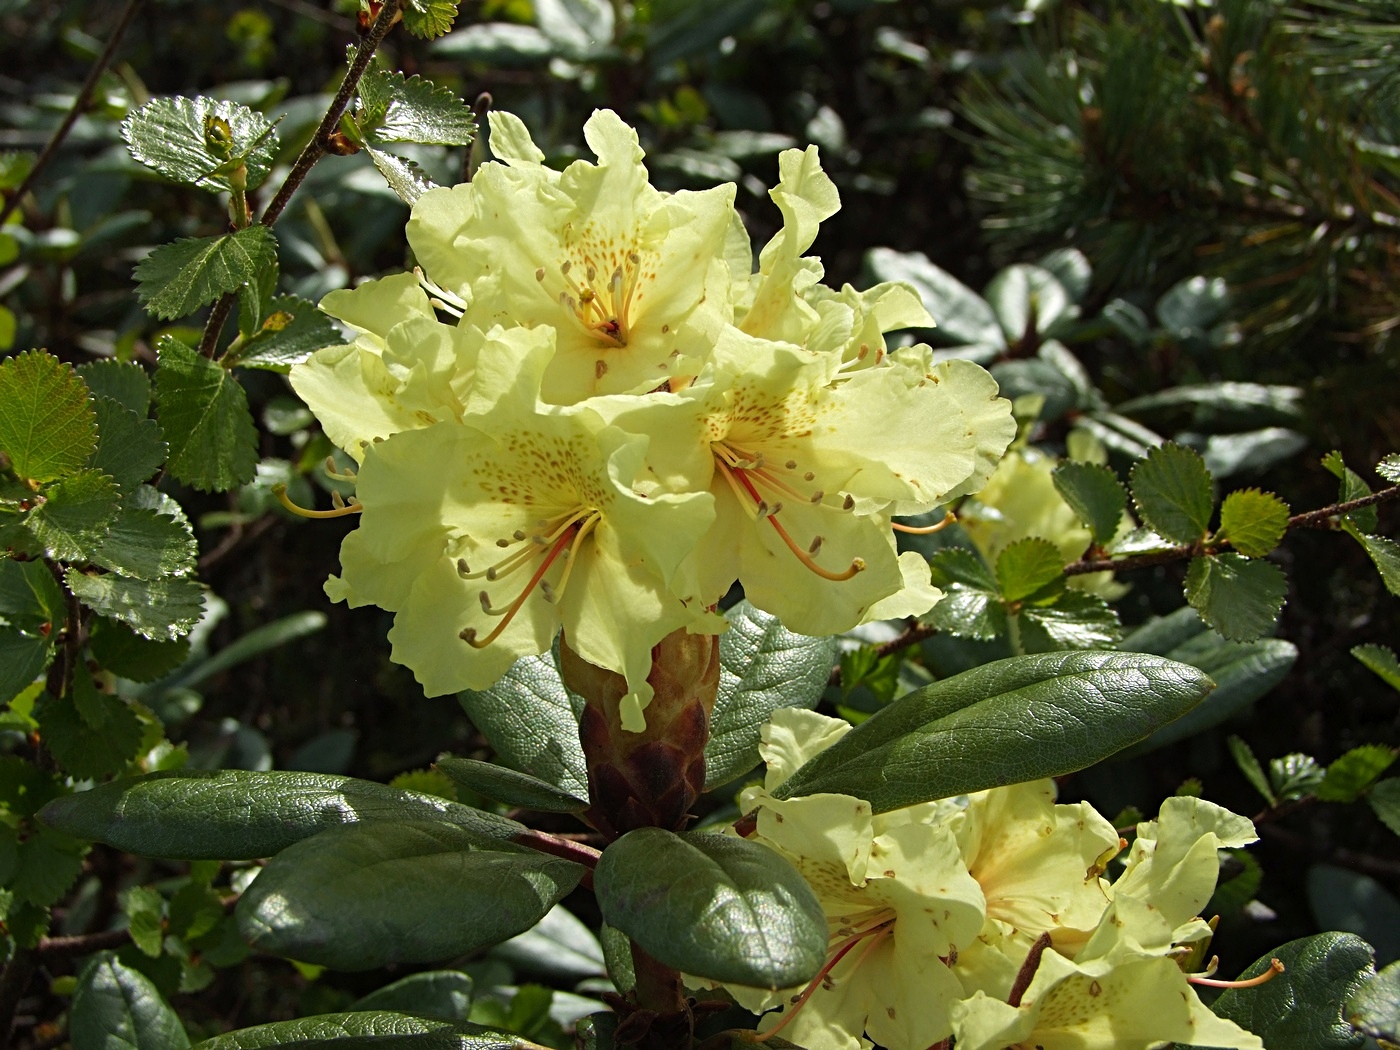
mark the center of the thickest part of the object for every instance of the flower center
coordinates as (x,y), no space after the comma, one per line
(601,293)
(547,541)
(750,476)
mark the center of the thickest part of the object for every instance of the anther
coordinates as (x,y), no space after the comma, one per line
(816,545)
(762,508)
(519,534)
(503,543)
(776,508)
(634,258)
(485,600)
(864,349)
(467,634)
(848,503)
(547,591)
(491,573)
(818,496)
(337,500)
(568,265)
(462,568)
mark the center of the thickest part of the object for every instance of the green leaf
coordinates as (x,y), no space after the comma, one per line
(23,658)
(1375,1007)
(159,609)
(118,1008)
(393,108)
(531,721)
(1243,755)
(971,606)
(171,136)
(122,651)
(1024,567)
(176,279)
(714,906)
(365,1031)
(148,546)
(964,317)
(404,177)
(239,815)
(145,913)
(1385,801)
(1301,1008)
(1381,660)
(1239,598)
(1076,620)
(1295,775)
(47,426)
(508,786)
(1023,295)
(1389,468)
(30,597)
(1002,723)
(124,382)
(290,333)
(1227,405)
(1193,305)
(204,413)
(1352,487)
(1095,495)
(429,18)
(370,895)
(76,515)
(1236,891)
(1352,773)
(443,995)
(763,666)
(129,447)
(1384,554)
(1119,434)
(195,909)
(1253,521)
(1172,492)
(561,947)
(1342,899)
(47,865)
(90,734)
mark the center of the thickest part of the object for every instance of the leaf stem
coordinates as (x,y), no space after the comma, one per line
(80,104)
(556,846)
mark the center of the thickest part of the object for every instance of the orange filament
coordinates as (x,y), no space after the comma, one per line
(280,491)
(507,614)
(517,559)
(571,558)
(876,933)
(603,309)
(925,530)
(1275,968)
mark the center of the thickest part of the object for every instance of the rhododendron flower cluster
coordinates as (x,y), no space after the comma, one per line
(988,918)
(589,412)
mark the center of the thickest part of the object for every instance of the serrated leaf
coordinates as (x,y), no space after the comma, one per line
(159,609)
(290,333)
(1064,711)
(46,866)
(1375,1007)
(509,786)
(119,649)
(971,606)
(169,135)
(195,909)
(76,515)
(124,382)
(129,448)
(24,656)
(1364,519)
(366,1031)
(1295,775)
(404,177)
(204,413)
(715,906)
(176,279)
(1095,494)
(412,110)
(1076,620)
(1384,554)
(1024,567)
(429,18)
(90,739)
(1385,801)
(147,546)
(240,815)
(1253,521)
(145,913)
(30,597)
(1352,773)
(1301,1008)
(1381,660)
(443,995)
(1172,492)
(47,426)
(364,896)
(1244,758)
(763,666)
(118,1008)
(1239,598)
(531,721)
(1389,468)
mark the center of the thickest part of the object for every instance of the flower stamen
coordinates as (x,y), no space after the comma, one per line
(469,634)
(353,507)
(876,934)
(925,530)
(1275,968)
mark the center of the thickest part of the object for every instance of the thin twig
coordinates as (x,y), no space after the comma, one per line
(313,151)
(80,105)
(913,633)
(60,947)
(555,846)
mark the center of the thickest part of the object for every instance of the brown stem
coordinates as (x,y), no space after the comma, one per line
(1026,974)
(313,151)
(568,849)
(914,633)
(51,948)
(658,985)
(80,104)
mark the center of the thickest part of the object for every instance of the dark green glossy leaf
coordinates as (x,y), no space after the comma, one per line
(370,895)
(290,333)
(1352,487)
(47,426)
(1095,494)
(1249,765)
(1193,305)
(559,947)
(1375,1007)
(1295,775)
(1352,773)
(1251,451)
(204,413)
(159,609)
(23,658)
(532,722)
(256,642)
(370,1030)
(1120,435)
(1389,468)
(971,606)
(1384,554)
(1022,379)
(1002,723)
(1342,899)
(46,866)
(76,515)
(129,447)
(429,18)
(118,1008)
(1075,620)
(405,177)
(1024,567)
(30,597)
(718,907)
(443,995)
(1172,492)
(90,733)
(495,44)
(147,545)
(509,786)
(124,382)
(122,651)
(171,136)
(763,666)
(1239,598)
(176,279)
(1381,660)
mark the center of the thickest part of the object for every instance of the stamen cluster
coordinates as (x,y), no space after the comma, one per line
(617,421)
